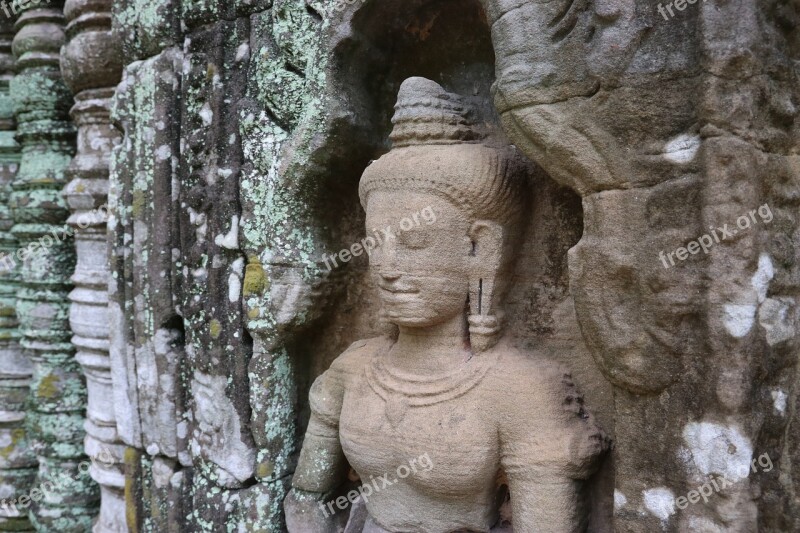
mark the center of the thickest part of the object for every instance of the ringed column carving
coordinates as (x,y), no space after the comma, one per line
(17,462)
(58,394)
(91,66)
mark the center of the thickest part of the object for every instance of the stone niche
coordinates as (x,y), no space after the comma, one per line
(246,129)
(375,48)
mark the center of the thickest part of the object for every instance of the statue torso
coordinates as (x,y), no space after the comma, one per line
(503,413)
(388,422)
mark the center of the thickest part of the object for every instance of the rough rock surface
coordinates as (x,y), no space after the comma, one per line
(661,263)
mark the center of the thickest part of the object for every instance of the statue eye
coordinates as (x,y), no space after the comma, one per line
(413,239)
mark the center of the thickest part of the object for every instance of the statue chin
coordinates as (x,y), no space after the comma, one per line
(412,312)
(410,320)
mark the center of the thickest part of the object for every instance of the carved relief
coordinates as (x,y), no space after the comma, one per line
(450,384)
(146,333)
(221,446)
(247,126)
(145,346)
(656,125)
(283,292)
(560,101)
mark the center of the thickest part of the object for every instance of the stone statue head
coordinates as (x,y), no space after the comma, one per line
(442,159)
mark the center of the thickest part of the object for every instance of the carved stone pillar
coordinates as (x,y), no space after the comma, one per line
(58,400)
(17,462)
(91,66)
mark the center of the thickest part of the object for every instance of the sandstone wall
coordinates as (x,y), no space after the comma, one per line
(195,161)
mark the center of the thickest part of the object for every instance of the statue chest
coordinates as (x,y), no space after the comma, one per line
(449,446)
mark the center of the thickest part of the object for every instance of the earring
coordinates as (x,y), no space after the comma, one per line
(487,245)
(484,325)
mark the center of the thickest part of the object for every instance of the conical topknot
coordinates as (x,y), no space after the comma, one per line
(427,114)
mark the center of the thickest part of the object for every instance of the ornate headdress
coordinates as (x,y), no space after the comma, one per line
(440,147)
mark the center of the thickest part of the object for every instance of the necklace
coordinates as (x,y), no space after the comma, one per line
(402,390)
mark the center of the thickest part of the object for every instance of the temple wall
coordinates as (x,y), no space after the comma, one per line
(186,171)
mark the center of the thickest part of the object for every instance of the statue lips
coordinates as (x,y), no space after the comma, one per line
(398,302)
(394,298)
(389,290)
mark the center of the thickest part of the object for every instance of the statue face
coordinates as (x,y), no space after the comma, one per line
(420,263)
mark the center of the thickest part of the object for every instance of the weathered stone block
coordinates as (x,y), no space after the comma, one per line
(146,336)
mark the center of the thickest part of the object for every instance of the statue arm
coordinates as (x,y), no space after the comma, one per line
(322,466)
(546,506)
(550,444)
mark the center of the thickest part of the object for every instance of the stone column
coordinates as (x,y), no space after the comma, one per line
(17,462)
(91,63)
(284,289)
(67,499)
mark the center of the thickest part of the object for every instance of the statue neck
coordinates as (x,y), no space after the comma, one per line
(431,350)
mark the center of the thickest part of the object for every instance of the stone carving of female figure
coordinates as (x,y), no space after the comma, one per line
(450,387)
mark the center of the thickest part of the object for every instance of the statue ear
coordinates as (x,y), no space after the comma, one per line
(487,242)
(487,253)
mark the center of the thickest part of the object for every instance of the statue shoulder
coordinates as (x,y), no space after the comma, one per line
(527,372)
(531,378)
(350,364)
(327,392)
(359,353)
(541,398)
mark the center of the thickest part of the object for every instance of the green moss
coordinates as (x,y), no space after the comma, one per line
(48,387)
(215,328)
(131,458)
(265,470)
(255,279)
(17,438)
(138,202)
